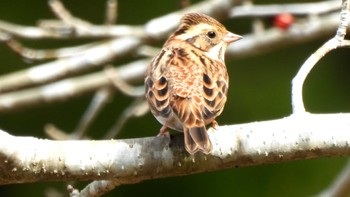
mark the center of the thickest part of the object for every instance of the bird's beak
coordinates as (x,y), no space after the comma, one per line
(231,37)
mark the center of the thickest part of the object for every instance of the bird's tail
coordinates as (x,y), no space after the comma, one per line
(196,138)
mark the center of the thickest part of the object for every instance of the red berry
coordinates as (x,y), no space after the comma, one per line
(283,21)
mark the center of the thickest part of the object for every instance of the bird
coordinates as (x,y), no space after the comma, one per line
(186,83)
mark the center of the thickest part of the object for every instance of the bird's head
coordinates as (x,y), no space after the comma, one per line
(206,34)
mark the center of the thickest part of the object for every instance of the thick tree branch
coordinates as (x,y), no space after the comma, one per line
(28,159)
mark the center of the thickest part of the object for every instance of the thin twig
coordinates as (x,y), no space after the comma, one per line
(137,108)
(99,100)
(69,88)
(93,57)
(121,85)
(340,186)
(335,42)
(97,103)
(344,21)
(44,54)
(55,133)
(62,13)
(299,79)
(302,9)
(111,12)
(50,30)
(148,51)
(98,188)
(272,39)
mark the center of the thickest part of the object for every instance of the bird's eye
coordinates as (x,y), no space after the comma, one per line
(211,34)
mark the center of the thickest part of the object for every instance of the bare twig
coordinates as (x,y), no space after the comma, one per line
(148,51)
(335,42)
(251,10)
(137,108)
(55,133)
(340,186)
(258,26)
(121,85)
(272,39)
(98,188)
(111,12)
(72,191)
(184,3)
(49,31)
(69,88)
(298,80)
(44,54)
(92,57)
(63,14)
(98,102)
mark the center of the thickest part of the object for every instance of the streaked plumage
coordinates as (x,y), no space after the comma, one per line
(186,83)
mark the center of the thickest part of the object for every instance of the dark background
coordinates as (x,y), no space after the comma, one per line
(259,90)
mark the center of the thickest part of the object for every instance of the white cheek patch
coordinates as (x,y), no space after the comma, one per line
(217,52)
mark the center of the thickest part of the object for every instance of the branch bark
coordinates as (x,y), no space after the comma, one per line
(28,159)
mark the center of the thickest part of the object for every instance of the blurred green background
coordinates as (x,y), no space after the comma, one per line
(259,90)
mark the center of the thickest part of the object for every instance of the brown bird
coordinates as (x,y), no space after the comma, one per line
(186,83)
